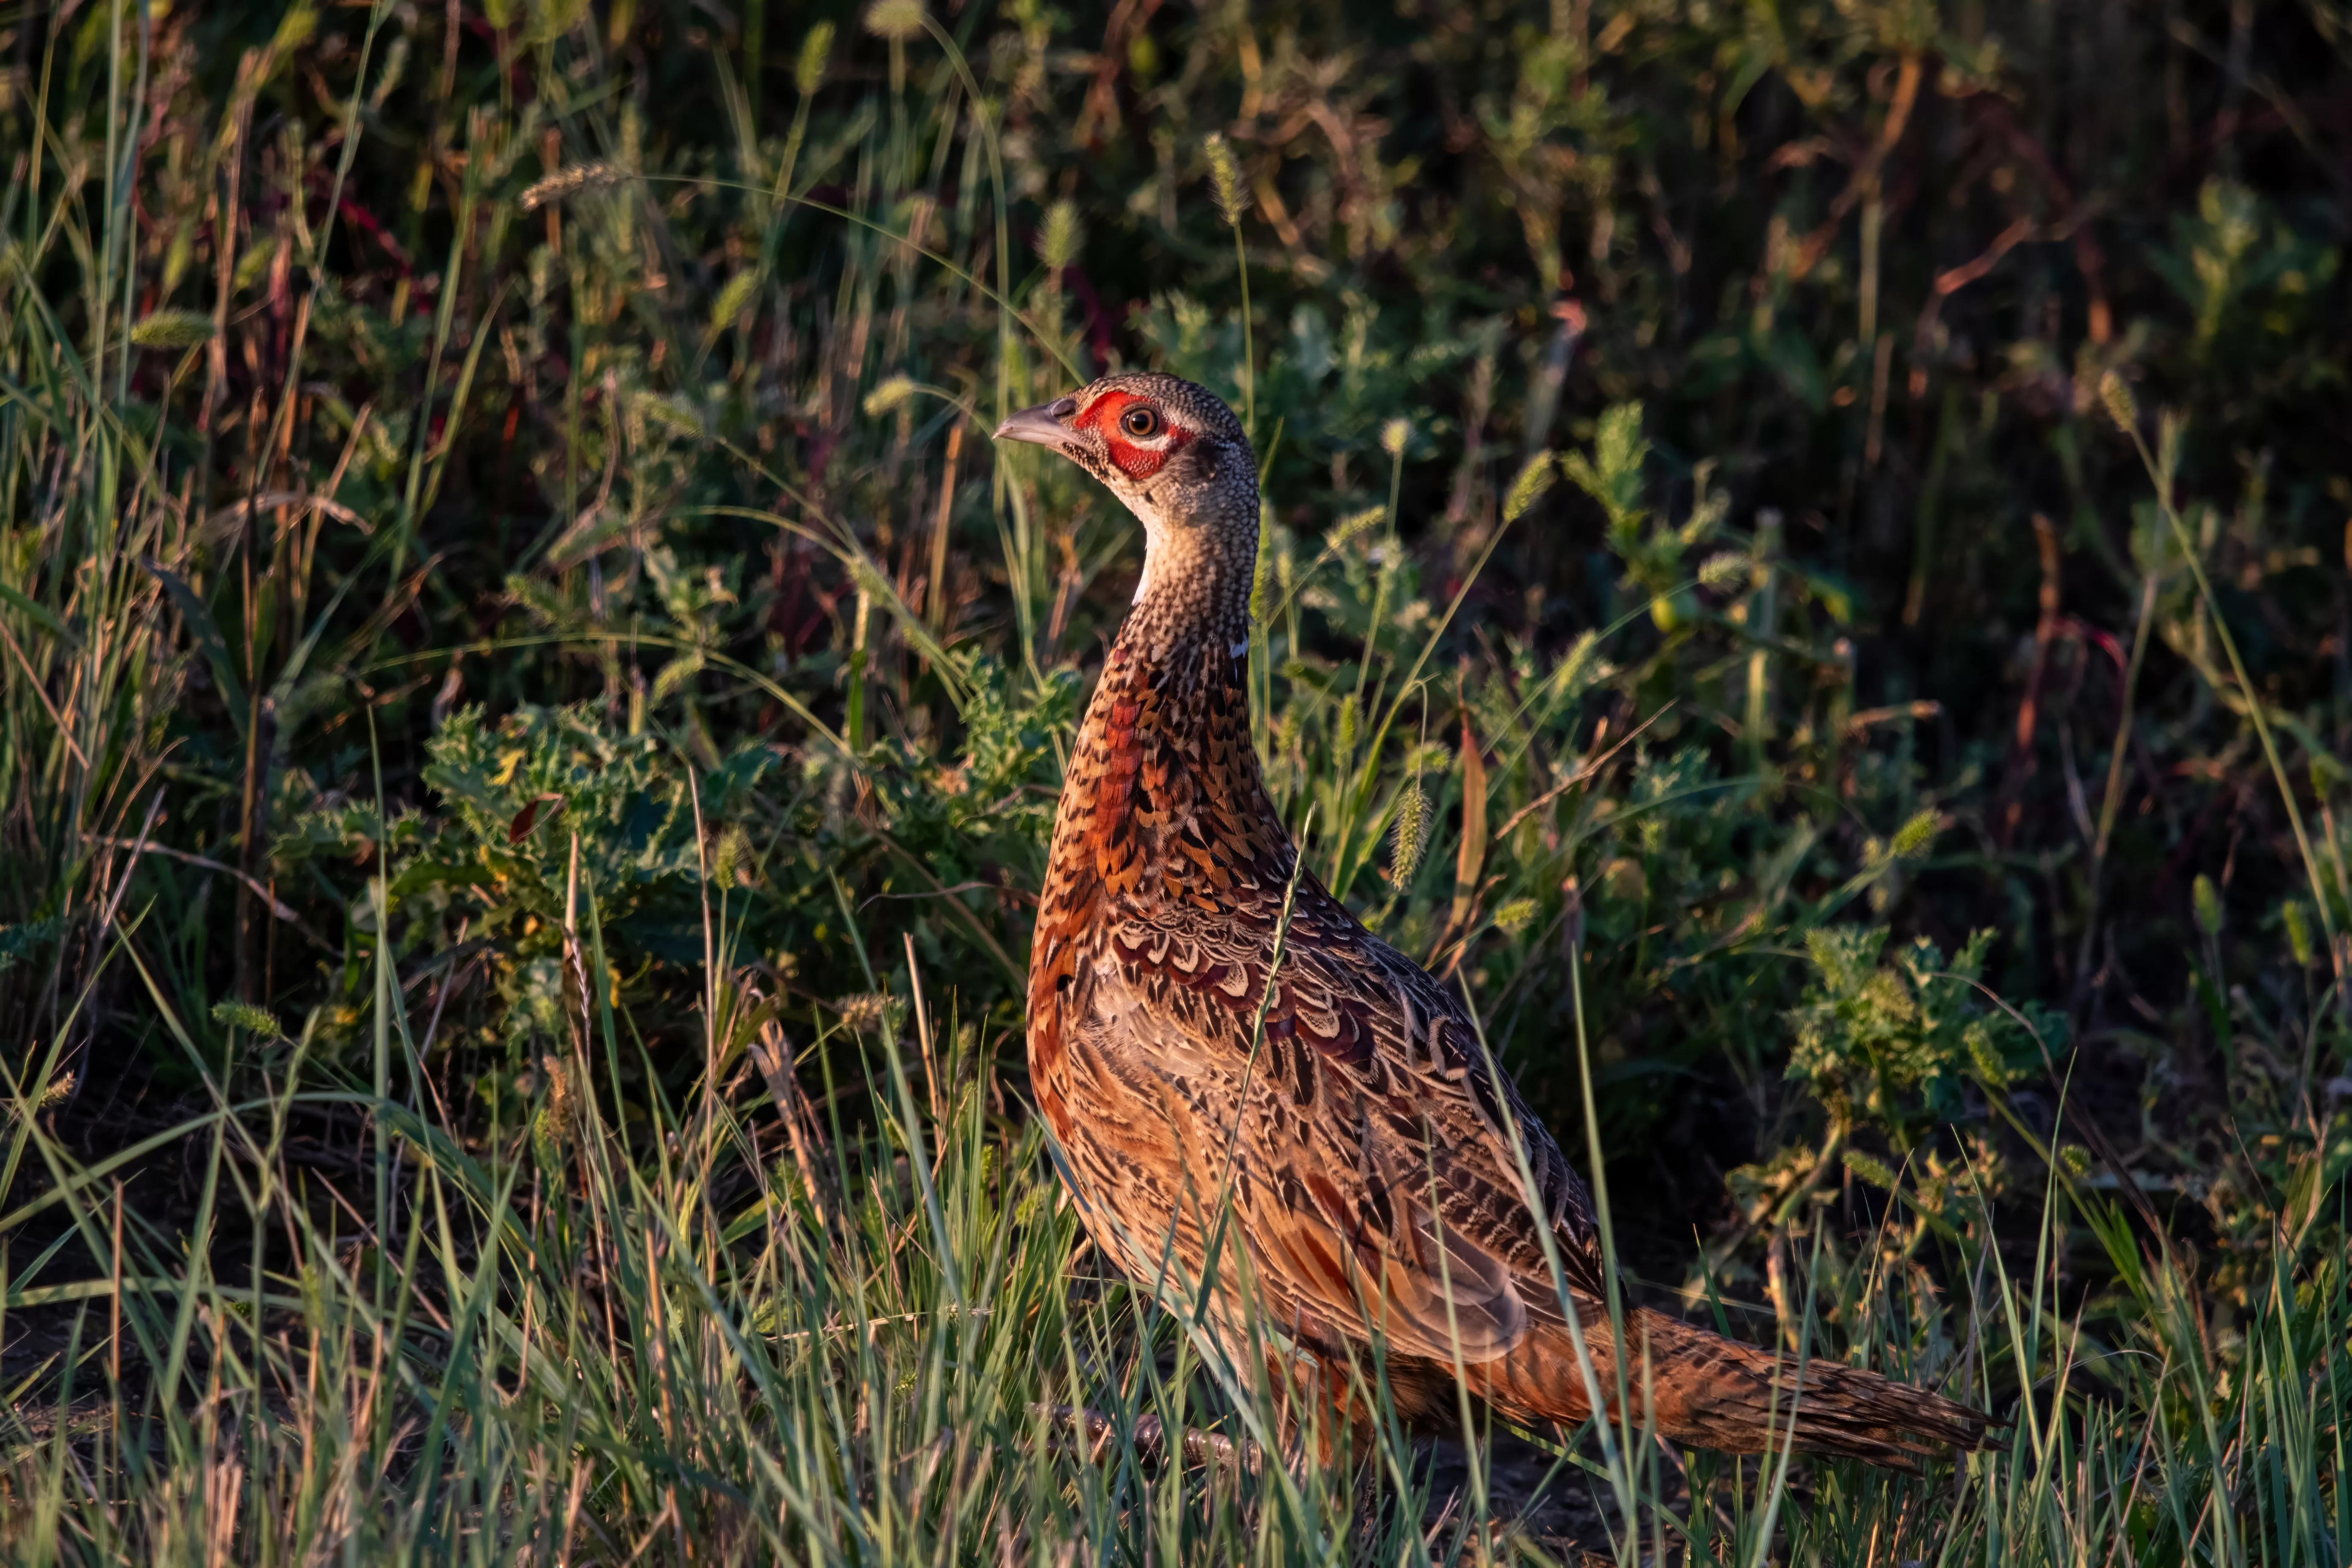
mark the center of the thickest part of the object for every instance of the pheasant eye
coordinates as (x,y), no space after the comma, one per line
(1140,421)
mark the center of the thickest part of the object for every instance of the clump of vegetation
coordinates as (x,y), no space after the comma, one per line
(1896,1044)
(533,714)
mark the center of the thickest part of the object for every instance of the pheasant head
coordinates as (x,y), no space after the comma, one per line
(1177,457)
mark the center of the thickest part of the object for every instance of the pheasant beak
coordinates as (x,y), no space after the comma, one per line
(1042,426)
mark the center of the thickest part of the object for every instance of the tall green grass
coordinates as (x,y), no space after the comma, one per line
(497,568)
(740,1329)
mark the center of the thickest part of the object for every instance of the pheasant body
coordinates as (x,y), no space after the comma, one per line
(1262,1106)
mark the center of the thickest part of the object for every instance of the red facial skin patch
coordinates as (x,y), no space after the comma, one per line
(1135,461)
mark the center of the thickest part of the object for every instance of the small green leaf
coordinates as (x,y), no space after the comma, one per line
(47,622)
(17,940)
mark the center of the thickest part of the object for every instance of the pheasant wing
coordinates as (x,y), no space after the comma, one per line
(1372,1157)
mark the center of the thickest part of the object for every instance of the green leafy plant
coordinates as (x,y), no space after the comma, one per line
(1893,1045)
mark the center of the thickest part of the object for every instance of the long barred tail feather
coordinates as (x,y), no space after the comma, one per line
(1709,1391)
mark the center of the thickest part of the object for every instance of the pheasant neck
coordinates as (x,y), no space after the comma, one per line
(1182,659)
(1187,596)
(1165,798)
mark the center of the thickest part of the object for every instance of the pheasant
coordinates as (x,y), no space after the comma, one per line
(1265,1111)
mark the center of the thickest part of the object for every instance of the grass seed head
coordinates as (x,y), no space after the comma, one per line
(1870,1171)
(734,301)
(896,20)
(1722,572)
(1412,828)
(1058,240)
(2121,406)
(552,1129)
(887,394)
(872,1010)
(1261,572)
(673,414)
(1225,172)
(1916,836)
(808,71)
(1353,524)
(1534,479)
(730,863)
(1516,915)
(257,1022)
(571,180)
(2298,933)
(171,330)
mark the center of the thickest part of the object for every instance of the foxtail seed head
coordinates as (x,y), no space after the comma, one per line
(1533,481)
(2121,406)
(896,20)
(1225,172)
(1058,241)
(808,72)
(1412,828)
